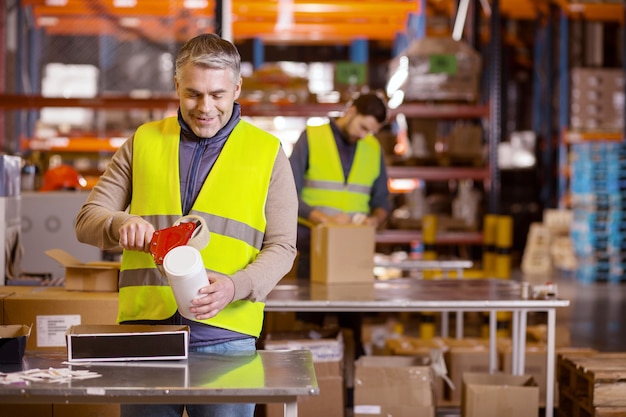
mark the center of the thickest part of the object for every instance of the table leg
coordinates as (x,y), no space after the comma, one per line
(550,363)
(459,324)
(493,351)
(291,408)
(515,348)
(518,348)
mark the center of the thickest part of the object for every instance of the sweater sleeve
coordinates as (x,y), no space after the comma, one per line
(100,218)
(278,252)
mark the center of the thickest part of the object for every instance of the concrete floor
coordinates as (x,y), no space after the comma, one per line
(596,317)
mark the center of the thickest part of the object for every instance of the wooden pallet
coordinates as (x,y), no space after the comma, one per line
(591,381)
(569,406)
(610,412)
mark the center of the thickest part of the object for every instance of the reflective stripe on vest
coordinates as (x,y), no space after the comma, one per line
(325,186)
(232,201)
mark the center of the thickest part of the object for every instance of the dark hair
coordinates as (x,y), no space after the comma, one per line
(210,51)
(371,104)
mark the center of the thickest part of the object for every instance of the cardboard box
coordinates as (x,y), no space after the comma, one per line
(93,343)
(392,386)
(3,295)
(90,276)
(497,395)
(327,350)
(52,310)
(342,254)
(13,343)
(60,410)
(464,355)
(330,402)
(535,364)
(325,346)
(426,352)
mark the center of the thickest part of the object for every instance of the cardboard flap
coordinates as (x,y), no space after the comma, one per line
(104,264)
(9,331)
(63,257)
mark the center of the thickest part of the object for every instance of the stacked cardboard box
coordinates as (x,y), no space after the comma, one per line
(327,350)
(396,386)
(51,311)
(497,395)
(597,98)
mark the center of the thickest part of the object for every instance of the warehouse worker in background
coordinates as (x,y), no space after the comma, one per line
(340,172)
(211,163)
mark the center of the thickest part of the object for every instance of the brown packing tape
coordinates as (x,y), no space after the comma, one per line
(201,235)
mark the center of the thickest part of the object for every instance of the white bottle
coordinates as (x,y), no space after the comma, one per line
(186,275)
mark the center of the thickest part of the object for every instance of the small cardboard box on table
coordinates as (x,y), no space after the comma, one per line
(497,395)
(392,386)
(342,254)
(13,342)
(89,276)
(114,342)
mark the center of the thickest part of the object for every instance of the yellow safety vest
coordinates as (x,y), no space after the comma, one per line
(325,186)
(231,201)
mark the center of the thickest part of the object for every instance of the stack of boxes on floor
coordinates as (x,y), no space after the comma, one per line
(404,368)
(402,372)
(596,172)
(598,211)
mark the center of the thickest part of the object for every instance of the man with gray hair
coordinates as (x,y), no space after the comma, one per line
(205,162)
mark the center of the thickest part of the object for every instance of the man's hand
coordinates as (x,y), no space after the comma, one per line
(136,234)
(214,297)
(340,218)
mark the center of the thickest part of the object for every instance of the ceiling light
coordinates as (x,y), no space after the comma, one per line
(56,3)
(124,3)
(195,4)
(47,21)
(130,22)
(399,76)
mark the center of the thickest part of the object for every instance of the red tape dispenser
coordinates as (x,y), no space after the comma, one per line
(189,230)
(165,240)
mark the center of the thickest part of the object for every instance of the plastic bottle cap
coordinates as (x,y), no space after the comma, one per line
(182,261)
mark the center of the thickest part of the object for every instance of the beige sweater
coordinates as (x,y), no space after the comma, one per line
(99,220)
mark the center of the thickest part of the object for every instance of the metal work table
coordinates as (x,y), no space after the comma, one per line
(442,295)
(261,377)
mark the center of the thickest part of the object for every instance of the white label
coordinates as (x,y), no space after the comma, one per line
(367,409)
(51,329)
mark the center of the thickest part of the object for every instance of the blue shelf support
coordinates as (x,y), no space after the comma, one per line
(563,107)
(359,51)
(400,43)
(542,111)
(495,106)
(258,53)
